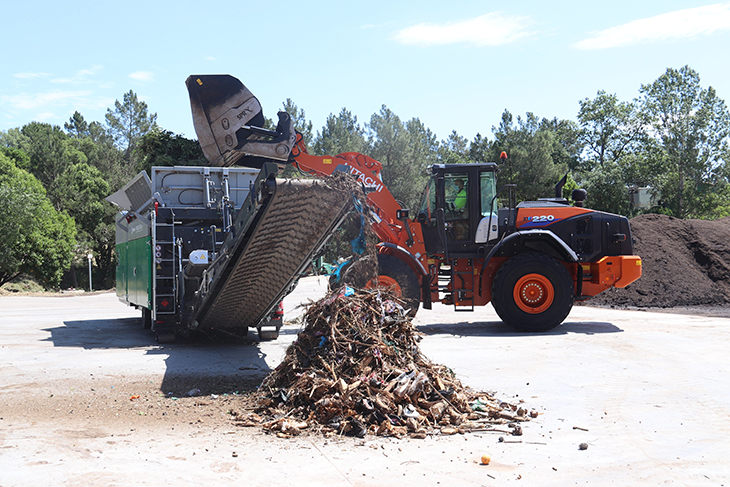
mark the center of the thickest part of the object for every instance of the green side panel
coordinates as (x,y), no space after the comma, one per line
(140,271)
(121,249)
(134,274)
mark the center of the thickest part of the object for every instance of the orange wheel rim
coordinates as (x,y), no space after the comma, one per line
(534,293)
(386,282)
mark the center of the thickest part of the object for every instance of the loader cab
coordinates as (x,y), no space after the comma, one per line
(462,196)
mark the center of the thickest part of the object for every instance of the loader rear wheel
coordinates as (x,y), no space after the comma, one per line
(395,274)
(532,292)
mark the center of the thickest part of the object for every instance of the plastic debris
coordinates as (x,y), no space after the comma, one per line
(356,368)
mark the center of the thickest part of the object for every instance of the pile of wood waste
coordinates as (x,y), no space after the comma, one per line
(356,369)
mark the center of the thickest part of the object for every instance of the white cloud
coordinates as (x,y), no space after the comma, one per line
(78,100)
(492,29)
(682,23)
(143,76)
(80,77)
(31,101)
(47,117)
(378,26)
(31,75)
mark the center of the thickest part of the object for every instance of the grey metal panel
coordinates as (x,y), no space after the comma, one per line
(185,186)
(134,195)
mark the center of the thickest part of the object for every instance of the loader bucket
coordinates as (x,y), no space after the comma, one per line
(229,123)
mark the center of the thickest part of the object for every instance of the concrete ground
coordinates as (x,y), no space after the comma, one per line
(647,392)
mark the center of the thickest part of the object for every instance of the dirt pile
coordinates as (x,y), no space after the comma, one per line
(685,263)
(356,369)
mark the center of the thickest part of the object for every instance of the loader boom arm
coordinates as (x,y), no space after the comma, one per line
(229,124)
(383,205)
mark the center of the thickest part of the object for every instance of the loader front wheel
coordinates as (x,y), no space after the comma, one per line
(532,292)
(395,274)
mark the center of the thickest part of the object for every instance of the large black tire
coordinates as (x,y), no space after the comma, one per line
(146,319)
(356,273)
(395,273)
(532,292)
(166,337)
(271,330)
(267,335)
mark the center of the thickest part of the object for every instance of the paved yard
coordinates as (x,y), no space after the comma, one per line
(647,392)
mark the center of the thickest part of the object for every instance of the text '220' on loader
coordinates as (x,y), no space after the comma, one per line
(532,260)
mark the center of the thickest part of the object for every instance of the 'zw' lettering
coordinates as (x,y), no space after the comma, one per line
(539,218)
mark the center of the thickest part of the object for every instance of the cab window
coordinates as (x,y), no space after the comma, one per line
(487,189)
(428,201)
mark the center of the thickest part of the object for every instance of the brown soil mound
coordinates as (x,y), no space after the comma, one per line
(685,263)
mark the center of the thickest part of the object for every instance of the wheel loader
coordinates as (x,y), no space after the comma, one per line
(531,260)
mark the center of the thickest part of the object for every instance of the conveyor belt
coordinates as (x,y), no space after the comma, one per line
(296,222)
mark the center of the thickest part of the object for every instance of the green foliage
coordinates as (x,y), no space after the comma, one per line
(129,122)
(49,154)
(609,129)
(454,150)
(480,149)
(83,193)
(37,239)
(24,284)
(163,148)
(340,134)
(84,199)
(77,172)
(607,190)
(404,150)
(570,185)
(531,146)
(98,147)
(19,158)
(691,126)
(566,146)
(77,126)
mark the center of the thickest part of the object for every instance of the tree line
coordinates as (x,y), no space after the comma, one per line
(672,138)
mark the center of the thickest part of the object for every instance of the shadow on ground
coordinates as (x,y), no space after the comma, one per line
(195,366)
(499,329)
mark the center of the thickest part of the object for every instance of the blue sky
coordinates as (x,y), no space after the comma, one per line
(454,65)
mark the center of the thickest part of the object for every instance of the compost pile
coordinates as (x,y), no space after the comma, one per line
(356,369)
(685,263)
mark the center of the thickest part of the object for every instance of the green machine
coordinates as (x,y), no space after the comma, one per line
(218,248)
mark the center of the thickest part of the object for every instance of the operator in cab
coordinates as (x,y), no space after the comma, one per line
(460,200)
(460,223)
